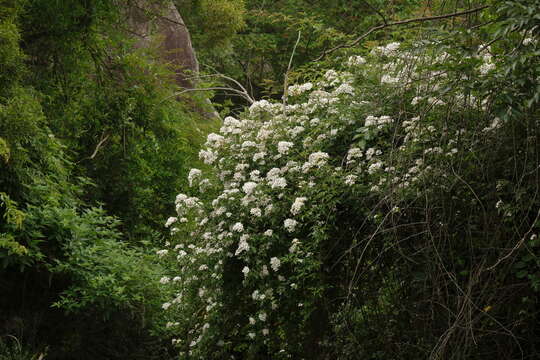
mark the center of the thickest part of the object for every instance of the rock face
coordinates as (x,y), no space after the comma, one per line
(148,21)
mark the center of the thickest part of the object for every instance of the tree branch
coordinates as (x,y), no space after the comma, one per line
(237,92)
(100,143)
(402,22)
(286,81)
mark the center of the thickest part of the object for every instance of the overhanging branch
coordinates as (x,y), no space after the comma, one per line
(402,22)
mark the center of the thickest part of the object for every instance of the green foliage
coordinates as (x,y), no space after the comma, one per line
(4,150)
(15,218)
(212,23)
(11,56)
(86,121)
(108,276)
(410,171)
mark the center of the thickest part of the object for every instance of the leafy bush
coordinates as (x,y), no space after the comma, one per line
(369,215)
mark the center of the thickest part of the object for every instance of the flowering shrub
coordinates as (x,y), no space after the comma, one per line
(294,244)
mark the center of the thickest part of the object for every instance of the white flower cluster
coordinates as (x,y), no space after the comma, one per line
(356,61)
(296,90)
(378,122)
(272,165)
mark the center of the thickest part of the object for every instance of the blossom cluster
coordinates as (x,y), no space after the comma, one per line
(252,218)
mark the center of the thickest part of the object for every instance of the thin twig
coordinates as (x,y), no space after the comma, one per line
(377,11)
(158,15)
(402,22)
(486,46)
(240,93)
(99,145)
(286,81)
(518,245)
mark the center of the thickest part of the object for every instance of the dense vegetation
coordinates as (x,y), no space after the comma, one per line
(379,200)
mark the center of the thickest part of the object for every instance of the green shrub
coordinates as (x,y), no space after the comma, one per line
(373,214)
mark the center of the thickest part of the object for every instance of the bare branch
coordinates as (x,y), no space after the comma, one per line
(402,22)
(517,246)
(99,145)
(286,81)
(153,13)
(238,92)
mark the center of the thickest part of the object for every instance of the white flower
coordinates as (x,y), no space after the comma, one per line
(193,175)
(180,198)
(273,173)
(284,147)
(262,316)
(388,79)
(245,270)
(296,131)
(354,153)
(255,175)
(275,263)
(331,75)
(162,253)
(344,89)
(297,205)
(278,182)
(238,176)
(164,280)
(166,305)
(214,140)
(294,246)
(374,167)
(355,61)
(259,156)
(264,271)
(256,212)
(388,50)
(486,67)
(170,221)
(251,335)
(208,156)
(350,179)
(248,144)
(316,159)
(249,187)
(238,227)
(252,320)
(290,224)
(265,332)
(268,232)
(296,90)
(242,245)
(259,107)
(495,124)
(370,152)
